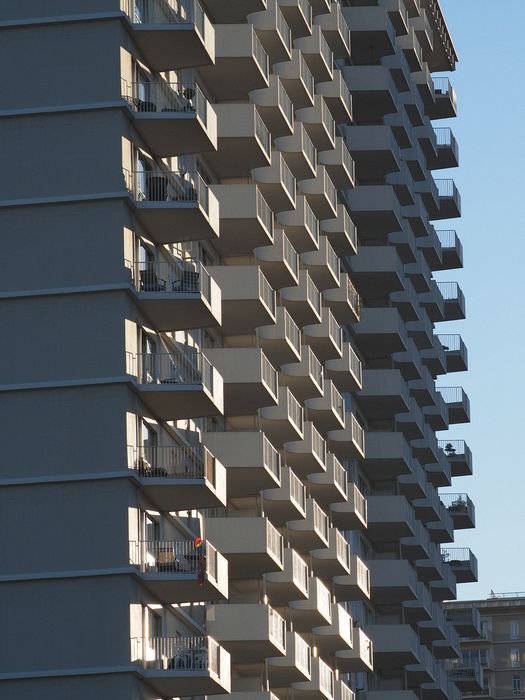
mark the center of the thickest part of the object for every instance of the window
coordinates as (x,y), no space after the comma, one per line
(514,657)
(514,629)
(516,685)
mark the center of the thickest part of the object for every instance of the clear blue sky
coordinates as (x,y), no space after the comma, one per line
(490,129)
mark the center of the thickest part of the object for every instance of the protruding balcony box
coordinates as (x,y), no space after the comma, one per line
(307,456)
(346,373)
(297,79)
(467,675)
(283,422)
(417,546)
(338,635)
(389,518)
(413,485)
(275,107)
(291,583)
(384,393)
(250,381)
(455,352)
(463,563)
(177,295)
(294,666)
(310,532)
(320,7)
(335,30)
(431,567)
(442,529)
(374,149)
(444,587)
(276,183)
(372,32)
(338,98)
(319,123)
(447,149)
(376,210)
(316,610)
(420,608)
(393,580)
(439,472)
(238,52)
(451,250)
(171,35)
(339,164)
(320,687)
(177,385)
(356,585)
(333,560)
(305,378)
(252,545)
(358,659)
(466,620)
(301,225)
(459,455)
(394,645)
(437,415)
(317,54)
(246,219)
(341,232)
(328,411)
(172,118)
(298,14)
(434,358)
(303,301)
(176,571)
(281,342)
(288,501)
(234,11)
(330,486)
(323,265)
(454,300)
(252,461)
(173,206)
(244,141)
(425,671)
(349,442)
(175,476)
(343,691)
(279,261)
(445,105)
(380,332)
(387,455)
(321,194)
(374,93)
(248,631)
(421,331)
(273,31)
(458,403)
(449,201)
(350,514)
(248,300)
(377,271)
(299,152)
(436,629)
(325,338)
(187,665)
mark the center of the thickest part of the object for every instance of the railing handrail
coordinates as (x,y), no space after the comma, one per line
(174,556)
(171,277)
(177,653)
(267,292)
(264,212)
(451,394)
(451,342)
(311,221)
(160,185)
(271,457)
(170,368)
(163,97)
(261,57)
(175,461)
(262,133)
(166,12)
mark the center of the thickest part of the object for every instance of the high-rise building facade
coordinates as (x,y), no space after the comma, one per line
(219,469)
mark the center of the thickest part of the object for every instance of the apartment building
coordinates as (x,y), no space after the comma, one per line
(219,469)
(492,644)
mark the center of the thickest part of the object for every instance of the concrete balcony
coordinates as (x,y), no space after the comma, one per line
(276,183)
(421,331)
(176,295)
(339,165)
(350,514)
(350,441)
(437,629)
(223,11)
(425,671)
(176,571)
(252,545)
(420,608)
(321,194)
(299,152)
(279,261)
(283,422)
(291,583)
(394,645)
(341,232)
(243,139)
(320,7)
(434,358)
(447,150)
(445,104)
(451,250)
(360,658)
(333,560)
(177,385)
(294,666)
(301,226)
(454,300)
(462,562)
(413,485)
(325,338)
(315,611)
(376,210)
(328,411)
(323,265)
(399,16)
(239,52)
(467,675)
(171,35)
(443,587)
(389,518)
(374,93)
(172,118)
(344,301)
(308,455)
(252,462)
(459,456)
(281,342)
(460,508)
(303,301)
(393,581)
(417,546)
(387,455)
(274,32)
(320,687)
(338,98)
(337,636)
(343,691)
(384,394)
(288,501)
(457,402)
(319,123)
(356,585)
(249,632)
(246,219)
(298,15)
(173,206)
(329,487)
(174,476)
(310,532)
(275,107)
(248,300)
(431,569)
(370,27)
(455,351)
(449,203)
(346,373)
(374,149)
(466,620)
(297,79)
(335,30)
(317,54)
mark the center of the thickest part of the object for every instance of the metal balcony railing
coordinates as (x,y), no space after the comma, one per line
(327,118)
(457,503)
(277,626)
(275,541)
(171,368)
(267,293)
(444,136)
(264,213)
(168,277)
(271,458)
(326,52)
(166,12)
(457,555)
(330,190)
(260,55)
(321,523)
(309,149)
(342,548)
(262,134)
(297,491)
(292,331)
(302,653)
(306,9)
(447,188)
(324,602)
(300,571)
(332,260)
(340,475)
(452,394)
(290,256)
(451,291)
(363,574)
(315,368)
(454,448)
(295,411)
(172,461)
(177,557)
(354,298)
(287,179)
(451,342)
(269,374)
(177,653)
(326,678)
(335,331)
(306,76)
(165,98)
(283,29)
(448,239)
(360,503)
(313,294)
(311,222)
(443,87)
(358,434)
(318,444)
(158,185)
(285,103)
